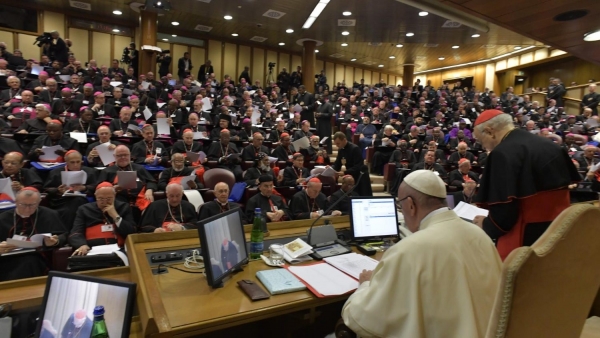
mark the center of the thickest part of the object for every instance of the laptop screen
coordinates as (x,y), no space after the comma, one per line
(373,217)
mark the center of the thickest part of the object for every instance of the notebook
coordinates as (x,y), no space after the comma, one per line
(279,281)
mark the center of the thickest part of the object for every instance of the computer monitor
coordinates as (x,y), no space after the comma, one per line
(373,217)
(70,299)
(223,245)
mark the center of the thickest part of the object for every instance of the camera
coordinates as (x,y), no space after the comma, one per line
(125,58)
(271,65)
(43,39)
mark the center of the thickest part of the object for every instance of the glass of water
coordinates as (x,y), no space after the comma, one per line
(276,253)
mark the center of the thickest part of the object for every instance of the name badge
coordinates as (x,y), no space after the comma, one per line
(17,97)
(55,99)
(137,180)
(101,112)
(291,157)
(275,208)
(158,151)
(166,89)
(85,102)
(173,115)
(107,228)
(118,102)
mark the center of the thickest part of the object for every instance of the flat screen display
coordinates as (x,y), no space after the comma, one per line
(373,217)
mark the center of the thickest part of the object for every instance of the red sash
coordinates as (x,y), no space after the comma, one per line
(140,201)
(541,207)
(95,232)
(320,160)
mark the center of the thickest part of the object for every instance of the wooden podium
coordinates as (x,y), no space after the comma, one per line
(182,304)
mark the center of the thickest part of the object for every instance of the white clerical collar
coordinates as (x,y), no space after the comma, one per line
(433,213)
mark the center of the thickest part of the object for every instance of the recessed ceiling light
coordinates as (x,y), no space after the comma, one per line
(475,35)
(346,13)
(441,58)
(289,30)
(423,13)
(175,23)
(316,50)
(392,57)
(174,35)
(282,43)
(165,39)
(592,36)
(228,17)
(352,59)
(455,47)
(399,45)
(116,30)
(234,34)
(117,12)
(344,44)
(518,47)
(345,33)
(380,66)
(410,34)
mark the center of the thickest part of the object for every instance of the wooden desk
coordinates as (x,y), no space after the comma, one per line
(182,304)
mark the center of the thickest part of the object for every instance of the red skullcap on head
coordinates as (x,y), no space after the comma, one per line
(104,185)
(132,97)
(56,122)
(462,160)
(105,79)
(188,130)
(97,93)
(487,115)
(83,108)
(88,85)
(30,189)
(224,130)
(70,152)
(285,135)
(315,180)
(14,153)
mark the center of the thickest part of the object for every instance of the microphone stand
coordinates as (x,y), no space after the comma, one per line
(362,172)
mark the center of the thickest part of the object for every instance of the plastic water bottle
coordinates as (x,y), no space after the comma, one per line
(257,236)
(99,327)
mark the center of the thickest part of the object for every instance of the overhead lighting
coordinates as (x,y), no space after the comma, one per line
(392,57)
(228,17)
(455,47)
(346,13)
(380,66)
(316,50)
(289,30)
(441,58)
(175,23)
(345,33)
(475,35)
(116,30)
(353,60)
(282,43)
(423,13)
(117,12)
(344,44)
(165,39)
(315,13)
(592,36)
(518,47)
(234,34)
(174,35)
(399,45)
(410,34)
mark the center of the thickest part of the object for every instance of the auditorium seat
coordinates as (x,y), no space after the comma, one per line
(548,289)
(60,258)
(389,174)
(216,175)
(355,138)
(247,165)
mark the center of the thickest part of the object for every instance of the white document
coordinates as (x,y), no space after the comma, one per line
(50,165)
(468,211)
(36,69)
(147,113)
(385,143)
(595,167)
(193,157)
(194,197)
(49,153)
(116,83)
(206,104)
(70,178)
(199,135)
(301,143)
(6,192)
(127,179)
(324,139)
(185,180)
(103,249)
(145,85)
(328,172)
(352,264)
(202,156)
(133,127)
(65,78)
(273,159)
(106,155)
(251,92)
(255,116)
(80,137)
(325,279)
(297,108)
(467,121)
(160,104)
(34,241)
(162,127)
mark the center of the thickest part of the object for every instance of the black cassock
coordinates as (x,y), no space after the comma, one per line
(262,202)
(354,162)
(89,216)
(302,205)
(229,256)
(324,113)
(218,150)
(8,145)
(213,208)
(32,264)
(27,178)
(65,142)
(158,214)
(344,205)
(282,153)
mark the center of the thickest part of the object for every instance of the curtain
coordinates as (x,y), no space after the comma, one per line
(67,296)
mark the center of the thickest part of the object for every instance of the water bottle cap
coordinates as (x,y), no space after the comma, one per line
(99,310)
(256,209)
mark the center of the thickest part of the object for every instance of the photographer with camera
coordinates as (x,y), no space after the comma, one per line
(58,49)
(164,59)
(284,80)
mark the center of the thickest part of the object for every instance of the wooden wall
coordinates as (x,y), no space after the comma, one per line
(568,70)
(477,71)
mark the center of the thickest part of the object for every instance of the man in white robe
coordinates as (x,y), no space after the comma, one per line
(439,282)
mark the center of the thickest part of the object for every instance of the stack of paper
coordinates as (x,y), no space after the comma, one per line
(324,280)
(34,241)
(468,211)
(352,264)
(279,281)
(50,153)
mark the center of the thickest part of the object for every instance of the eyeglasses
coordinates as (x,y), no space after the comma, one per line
(23,205)
(399,202)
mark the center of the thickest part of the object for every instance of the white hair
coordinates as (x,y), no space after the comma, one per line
(42,106)
(499,122)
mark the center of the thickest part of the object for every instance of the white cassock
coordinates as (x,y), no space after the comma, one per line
(437,283)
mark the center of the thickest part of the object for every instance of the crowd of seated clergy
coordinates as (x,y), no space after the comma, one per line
(190,127)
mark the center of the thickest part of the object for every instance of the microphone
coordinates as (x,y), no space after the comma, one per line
(363,170)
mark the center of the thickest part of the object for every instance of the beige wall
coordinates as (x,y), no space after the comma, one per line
(198,56)
(367,76)
(100,52)
(54,22)
(27,47)
(244,56)
(80,49)
(215,52)
(7,37)
(230,61)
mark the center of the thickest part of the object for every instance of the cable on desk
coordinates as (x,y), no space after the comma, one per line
(176,268)
(194,262)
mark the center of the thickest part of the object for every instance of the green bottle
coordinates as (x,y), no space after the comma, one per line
(256,236)
(99,328)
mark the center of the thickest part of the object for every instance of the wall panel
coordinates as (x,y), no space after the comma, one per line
(358,74)
(198,56)
(367,76)
(81,46)
(258,65)
(7,37)
(330,73)
(339,74)
(55,22)
(230,61)
(284,62)
(243,61)
(27,47)
(319,66)
(214,55)
(120,43)
(568,70)
(101,49)
(296,61)
(375,77)
(349,76)
(271,57)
